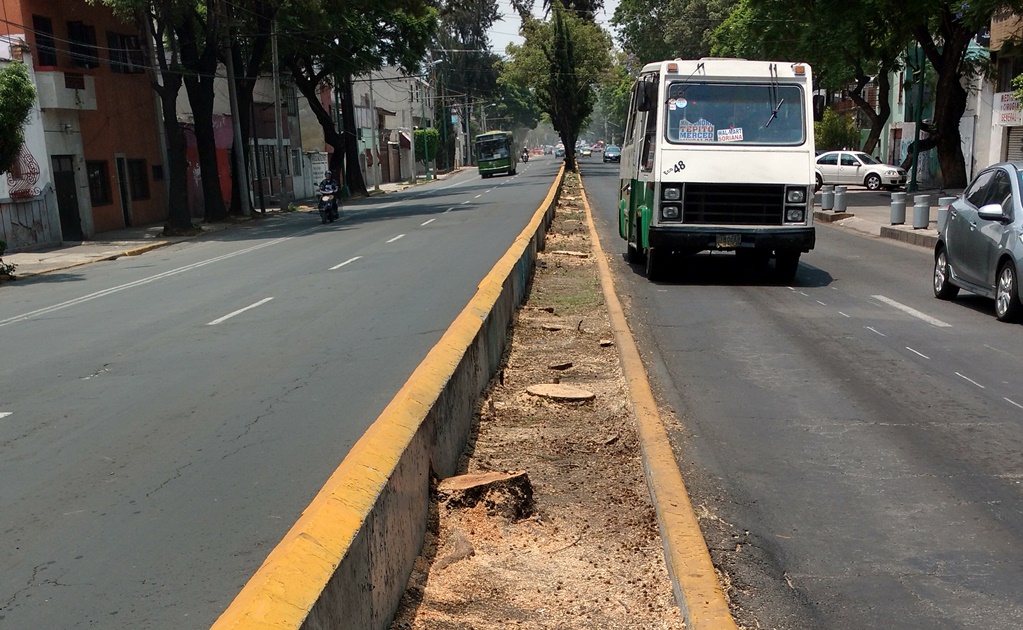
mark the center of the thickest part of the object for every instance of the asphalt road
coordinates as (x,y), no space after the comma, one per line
(164,419)
(852,443)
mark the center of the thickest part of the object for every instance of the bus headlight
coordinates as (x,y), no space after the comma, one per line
(671,213)
(795,215)
(795,195)
(671,193)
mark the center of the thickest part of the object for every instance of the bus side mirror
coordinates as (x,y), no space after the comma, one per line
(647,96)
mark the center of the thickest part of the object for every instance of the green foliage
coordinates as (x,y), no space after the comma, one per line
(1017,86)
(427,141)
(836,131)
(17,95)
(651,30)
(562,61)
(5,268)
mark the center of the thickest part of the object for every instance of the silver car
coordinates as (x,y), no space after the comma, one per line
(859,169)
(979,246)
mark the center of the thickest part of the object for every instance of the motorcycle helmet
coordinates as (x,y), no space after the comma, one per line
(328,175)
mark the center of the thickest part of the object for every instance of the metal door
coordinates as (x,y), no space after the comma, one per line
(848,169)
(67,197)
(964,247)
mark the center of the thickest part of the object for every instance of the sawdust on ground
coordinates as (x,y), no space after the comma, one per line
(589,555)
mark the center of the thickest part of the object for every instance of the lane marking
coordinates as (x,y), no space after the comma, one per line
(918,353)
(478,196)
(449,210)
(136,283)
(1013,402)
(804,294)
(872,329)
(350,260)
(4,414)
(464,202)
(912,311)
(843,314)
(396,238)
(427,222)
(821,303)
(967,378)
(239,311)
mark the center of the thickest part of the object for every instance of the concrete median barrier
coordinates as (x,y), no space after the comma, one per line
(345,563)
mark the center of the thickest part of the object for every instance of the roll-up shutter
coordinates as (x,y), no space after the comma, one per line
(1014,146)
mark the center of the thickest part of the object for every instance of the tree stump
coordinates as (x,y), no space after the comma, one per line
(505,494)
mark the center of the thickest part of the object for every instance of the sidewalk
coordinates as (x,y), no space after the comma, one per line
(869,212)
(134,241)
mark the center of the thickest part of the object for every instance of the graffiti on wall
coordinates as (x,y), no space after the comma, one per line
(23,176)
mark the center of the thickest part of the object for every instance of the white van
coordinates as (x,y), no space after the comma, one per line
(719,155)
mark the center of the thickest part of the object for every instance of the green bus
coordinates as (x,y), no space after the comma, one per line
(495,153)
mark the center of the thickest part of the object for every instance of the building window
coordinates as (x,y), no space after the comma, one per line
(46,50)
(99,183)
(82,45)
(125,53)
(1008,68)
(290,99)
(138,179)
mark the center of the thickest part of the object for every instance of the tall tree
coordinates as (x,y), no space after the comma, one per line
(652,30)
(562,60)
(17,95)
(349,39)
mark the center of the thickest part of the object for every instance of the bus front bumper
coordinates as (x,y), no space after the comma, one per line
(697,238)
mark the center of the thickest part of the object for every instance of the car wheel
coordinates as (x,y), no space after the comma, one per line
(943,288)
(1007,304)
(634,253)
(872,182)
(820,182)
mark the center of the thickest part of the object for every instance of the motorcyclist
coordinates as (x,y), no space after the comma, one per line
(326,187)
(525,154)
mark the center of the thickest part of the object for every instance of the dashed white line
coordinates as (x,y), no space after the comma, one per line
(396,238)
(1013,402)
(912,311)
(239,311)
(427,222)
(449,210)
(918,353)
(966,378)
(478,196)
(4,414)
(821,303)
(843,314)
(464,202)
(349,261)
(874,330)
(804,294)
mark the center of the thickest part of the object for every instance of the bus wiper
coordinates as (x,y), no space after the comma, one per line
(774,113)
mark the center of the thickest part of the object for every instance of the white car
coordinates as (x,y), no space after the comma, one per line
(858,169)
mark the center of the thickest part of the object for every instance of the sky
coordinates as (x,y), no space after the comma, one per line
(506,31)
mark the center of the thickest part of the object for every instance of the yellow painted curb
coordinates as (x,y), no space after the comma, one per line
(285,588)
(697,589)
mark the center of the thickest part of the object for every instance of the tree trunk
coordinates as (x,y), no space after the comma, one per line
(200,97)
(179,217)
(353,174)
(308,83)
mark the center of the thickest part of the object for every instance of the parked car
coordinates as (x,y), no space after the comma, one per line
(979,244)
(858,169)
(612,153)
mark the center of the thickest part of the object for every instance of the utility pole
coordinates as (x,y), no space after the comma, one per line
(376,133)
(281,158)
(239,150)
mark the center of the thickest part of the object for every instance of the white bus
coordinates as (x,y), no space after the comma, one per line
(719,155)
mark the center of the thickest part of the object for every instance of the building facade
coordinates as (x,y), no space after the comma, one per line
(101,153)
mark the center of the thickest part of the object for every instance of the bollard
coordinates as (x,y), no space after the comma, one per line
(921,211)
(840,200)
(827,197)
(944,204)
(898,208)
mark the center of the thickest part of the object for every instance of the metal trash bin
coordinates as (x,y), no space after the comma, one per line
(827,197)
(921,211)
(944,204)
(898,208)
(840,199)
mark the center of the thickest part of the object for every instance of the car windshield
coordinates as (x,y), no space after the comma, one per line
(612,149)
(730,113)
(866,158)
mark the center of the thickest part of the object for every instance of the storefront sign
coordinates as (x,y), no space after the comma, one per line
(1007,110)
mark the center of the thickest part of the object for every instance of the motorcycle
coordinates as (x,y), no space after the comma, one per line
(328,206)
(525,156)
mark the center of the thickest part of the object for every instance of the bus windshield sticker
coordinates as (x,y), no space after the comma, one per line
(701,130)
(732,134)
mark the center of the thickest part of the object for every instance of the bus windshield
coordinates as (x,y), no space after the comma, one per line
(735,113)
(493,149)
